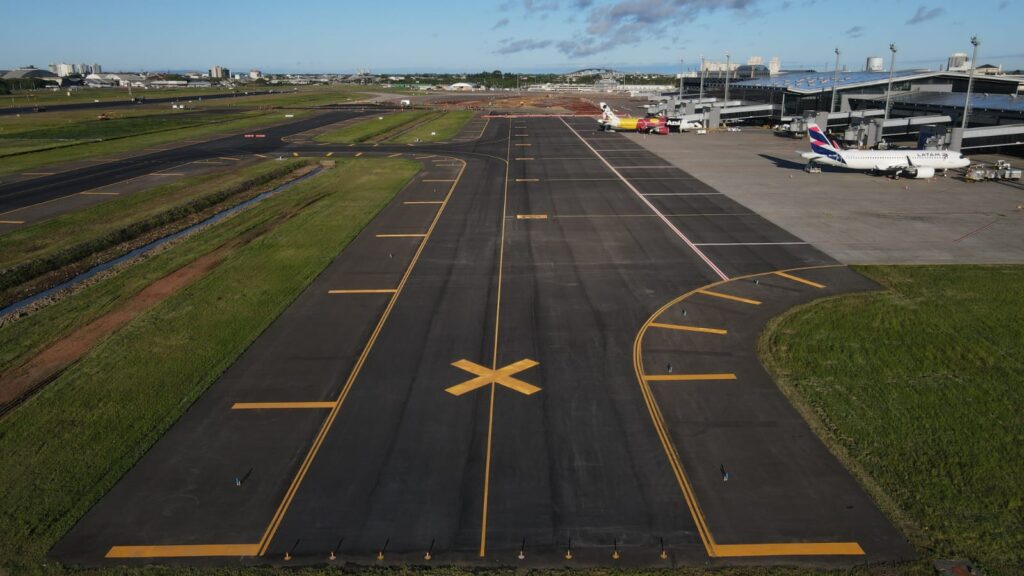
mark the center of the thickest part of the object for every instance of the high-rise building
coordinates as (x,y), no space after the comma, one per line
(64,70)
(874,64)
(219,72)
(774,65)
(255,74)
(97,69)
(958,62)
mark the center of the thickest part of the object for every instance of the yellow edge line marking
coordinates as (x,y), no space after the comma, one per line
(729,297)
(424,202)
(329,154)
(268,535)
(164,174)
(261,155)
(531,216)
(527,179)
(790,549)
(526,158)
(366,291)
(393,155)
(100,193)
(800,280)
(183,551)
(689,328)
(358,154)
(437,180)
(524,144)
(229,158)
(38,173)
(400,235)
(12,221)
(659,422)
(689,377)
(279,405)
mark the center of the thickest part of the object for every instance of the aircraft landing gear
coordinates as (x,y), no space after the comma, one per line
(812,168)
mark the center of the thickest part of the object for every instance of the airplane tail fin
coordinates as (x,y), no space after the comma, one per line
(822,144)
(607,115)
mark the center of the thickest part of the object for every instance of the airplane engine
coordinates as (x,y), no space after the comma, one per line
(924,173)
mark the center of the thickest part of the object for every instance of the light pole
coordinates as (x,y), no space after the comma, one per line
(835,80)
(728,73)
(888,89)
(681,72)
(970,80)
(700,95)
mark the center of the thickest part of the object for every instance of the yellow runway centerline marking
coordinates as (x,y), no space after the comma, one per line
(729,297)
(280,405)
(183,551)
(400,235)
(531,216)
(688,377)
(364,291)
(689,328)
(799,279)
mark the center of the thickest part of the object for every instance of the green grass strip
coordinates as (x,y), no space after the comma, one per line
(68,445)
(373,126)
(922,386)
(438,130)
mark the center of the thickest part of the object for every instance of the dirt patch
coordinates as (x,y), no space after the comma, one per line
(21,382)
(542,104)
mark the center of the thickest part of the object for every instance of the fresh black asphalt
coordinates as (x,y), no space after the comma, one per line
(540,253)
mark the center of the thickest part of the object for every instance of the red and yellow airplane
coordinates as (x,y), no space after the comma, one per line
(609,121)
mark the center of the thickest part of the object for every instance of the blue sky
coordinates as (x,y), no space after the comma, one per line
(511,35)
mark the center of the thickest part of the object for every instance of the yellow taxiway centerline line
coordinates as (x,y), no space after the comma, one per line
(729,297)
(689,328)
(358,154)
(789,549)
(279,405)
(12,221)
(400,235)
(799,279)
(423,202)
(531,216)
(366,291)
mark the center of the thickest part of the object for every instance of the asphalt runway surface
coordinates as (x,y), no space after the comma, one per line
(542,352)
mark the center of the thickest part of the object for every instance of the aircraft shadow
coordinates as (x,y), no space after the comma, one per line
(793,164)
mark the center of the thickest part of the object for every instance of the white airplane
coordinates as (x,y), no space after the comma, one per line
(654,125)
(912,163)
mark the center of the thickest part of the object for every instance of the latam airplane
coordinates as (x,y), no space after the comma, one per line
(912,163)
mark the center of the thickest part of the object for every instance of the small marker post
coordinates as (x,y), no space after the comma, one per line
(334,552)
(568,550)
(615,550)
(380,554)
(664,554)
(522,550)
(288,554)
(427,556)
(725,475)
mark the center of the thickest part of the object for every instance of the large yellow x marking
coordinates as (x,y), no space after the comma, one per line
(485,376)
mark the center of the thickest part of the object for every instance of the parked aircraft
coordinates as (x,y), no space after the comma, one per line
(896,163)
(609,121)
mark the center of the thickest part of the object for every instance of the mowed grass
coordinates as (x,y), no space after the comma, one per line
(922,386)
(67,446)
(371,127)
(438,130)
(90,225)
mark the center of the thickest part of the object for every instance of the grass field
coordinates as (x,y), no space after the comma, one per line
(26,253)
(438,130)
(920,389)
(46,97)
(375,126)
(72,442)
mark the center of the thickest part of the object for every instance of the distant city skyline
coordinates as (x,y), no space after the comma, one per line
(511,35)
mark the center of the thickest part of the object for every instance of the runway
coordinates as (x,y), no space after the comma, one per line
(542,352)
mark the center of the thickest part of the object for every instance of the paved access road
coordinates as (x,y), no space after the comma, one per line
(513,360)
